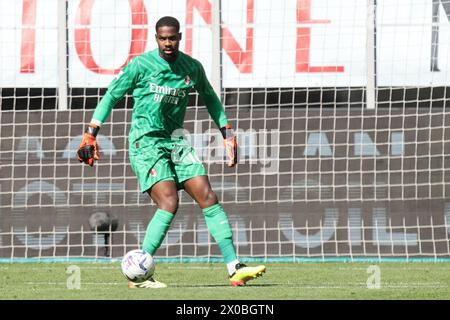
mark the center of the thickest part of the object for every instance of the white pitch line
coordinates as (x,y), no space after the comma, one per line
(358,285)
(82,283)
(303,267)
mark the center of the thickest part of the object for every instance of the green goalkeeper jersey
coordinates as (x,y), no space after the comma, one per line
(160,92)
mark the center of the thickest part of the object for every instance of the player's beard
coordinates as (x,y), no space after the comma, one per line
(169,57)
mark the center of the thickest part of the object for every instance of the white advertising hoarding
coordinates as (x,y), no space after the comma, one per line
(290,43)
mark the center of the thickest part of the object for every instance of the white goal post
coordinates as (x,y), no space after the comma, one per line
(340,107)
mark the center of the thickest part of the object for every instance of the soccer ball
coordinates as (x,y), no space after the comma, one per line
(137,265)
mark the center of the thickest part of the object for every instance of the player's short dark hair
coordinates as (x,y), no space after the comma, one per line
(167,21)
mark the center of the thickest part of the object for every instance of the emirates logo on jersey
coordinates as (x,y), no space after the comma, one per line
(153,172)
(187,80)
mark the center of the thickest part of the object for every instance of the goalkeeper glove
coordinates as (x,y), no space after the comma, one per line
(88,150)
(230,143)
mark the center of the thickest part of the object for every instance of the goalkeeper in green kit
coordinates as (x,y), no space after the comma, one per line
(160,81)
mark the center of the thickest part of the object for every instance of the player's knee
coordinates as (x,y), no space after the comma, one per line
(208,199)
(169,203)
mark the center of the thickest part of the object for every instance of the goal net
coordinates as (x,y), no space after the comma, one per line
(340,108)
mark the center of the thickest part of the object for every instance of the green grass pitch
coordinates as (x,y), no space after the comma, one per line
(209,281)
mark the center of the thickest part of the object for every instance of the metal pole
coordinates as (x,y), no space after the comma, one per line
(370,54)
(216,72)
(62,55)
(435,37)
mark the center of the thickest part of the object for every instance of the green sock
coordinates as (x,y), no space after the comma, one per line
(156,230)
(220,229)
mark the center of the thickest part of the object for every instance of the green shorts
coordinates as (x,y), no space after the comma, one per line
(155,159)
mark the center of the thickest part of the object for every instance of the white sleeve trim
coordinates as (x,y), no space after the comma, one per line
(96,122)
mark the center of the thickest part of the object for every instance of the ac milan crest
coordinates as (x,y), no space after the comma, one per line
(187,80)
